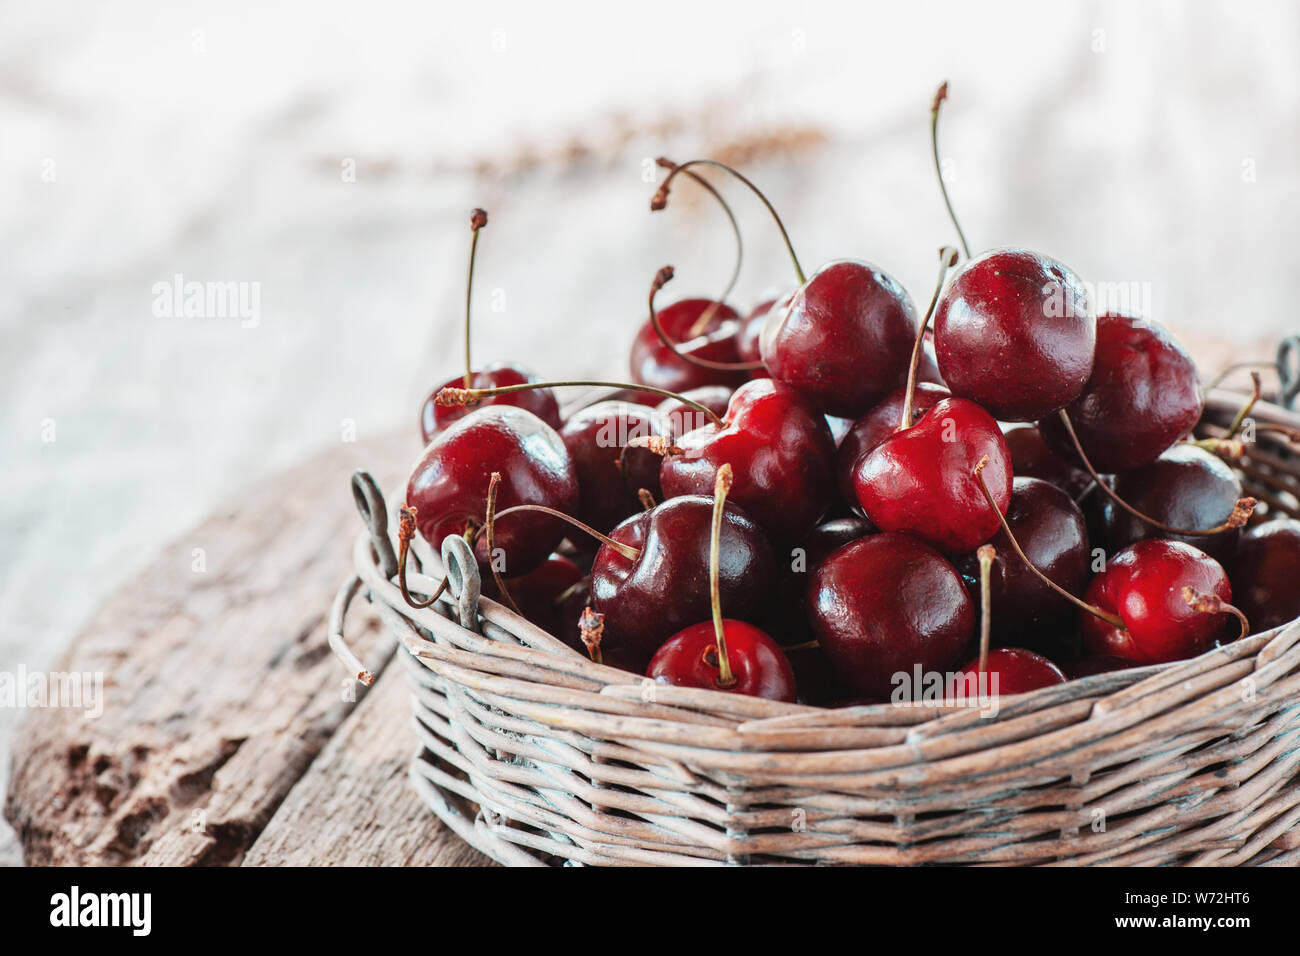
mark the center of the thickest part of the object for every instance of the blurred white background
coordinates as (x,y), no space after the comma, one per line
(1155,143)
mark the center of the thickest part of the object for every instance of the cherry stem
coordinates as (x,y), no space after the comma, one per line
(1255,391)
(405,532)
(1213,604)
(985,554)
(947,259)
(660,200)
(1237,367)
(626,550)
(1241,511)
(591,627)
(940,95)
(452,397)
(1112,619)
(489,526)
(477,220)
(721,485)
(662,278)
(702,323)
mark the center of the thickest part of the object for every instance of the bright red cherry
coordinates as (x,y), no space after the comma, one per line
(611,474)
(844,340)
(702,328)
(874,427)
(1007,670)
(780,449)
(449,484)
(1143,395)
(1014,332)
(690,659)
(920,479)
(1143,586)
(434,418)
(884,604)
(655,582)
(1266,573)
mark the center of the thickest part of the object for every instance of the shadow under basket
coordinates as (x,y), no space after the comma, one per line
(537,756)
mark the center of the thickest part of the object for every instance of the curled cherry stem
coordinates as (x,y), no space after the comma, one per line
(1213,604)
(947,259)
(626,550)
(707,315)
(489,526)
(721,485)
(940,95)
(1241,511)
(478,218)
(660,200)
(662,278)
(405,532)
(985,554)
(1112,619)
(1255,391)
(453,397)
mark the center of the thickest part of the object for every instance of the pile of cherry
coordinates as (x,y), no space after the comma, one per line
(825,499)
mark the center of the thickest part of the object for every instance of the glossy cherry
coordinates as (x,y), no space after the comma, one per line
(1007,670)
(682,418)
(884,604)
(664,587)
(1032,458)
(1014,332)
(1050,529)
(654,363)
(874,427)
(1266,573)
(1186,487)
(788,618)
(780,449)
(611,474)
(448,486)
(919,480)
(1143,395)
(1143,585)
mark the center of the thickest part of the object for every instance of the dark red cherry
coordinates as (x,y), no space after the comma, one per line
(1143,585)
(748,344)
(1266,573)
(654,363)
(788,618)
(690,659)
(434,418)
(1144,394)
(610,474)
(1008,670)
(920,480)
(1014,332)
(1031,458)
(781,451)
(1186,487)
(1050,529)
(449,484)
(540,594)
(683,418)
(665,588)
(877,425)
(845,340)
(882,605)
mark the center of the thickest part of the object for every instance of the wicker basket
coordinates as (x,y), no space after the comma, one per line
(537,756)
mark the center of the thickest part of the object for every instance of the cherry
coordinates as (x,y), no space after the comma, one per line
(788,621)
(814,677)
(662,366)
(1014,332)
(682,418)
(919,479)
(540,594)
(1143,395)
(883,604)
(1007,670)
(723,654)
(434,417)
(1168,598)
(1050,529)
(1186,487)
(610,474)
(449,484)
(845,338)
(1266,573)
(780,449)
(747,345)
(655,581)
(1031,458)
(874,427)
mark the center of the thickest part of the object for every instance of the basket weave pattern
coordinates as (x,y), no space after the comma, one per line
(538,756)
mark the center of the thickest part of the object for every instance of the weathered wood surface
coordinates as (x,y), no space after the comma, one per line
(225,735)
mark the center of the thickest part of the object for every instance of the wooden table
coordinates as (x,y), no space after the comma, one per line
(227,736)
